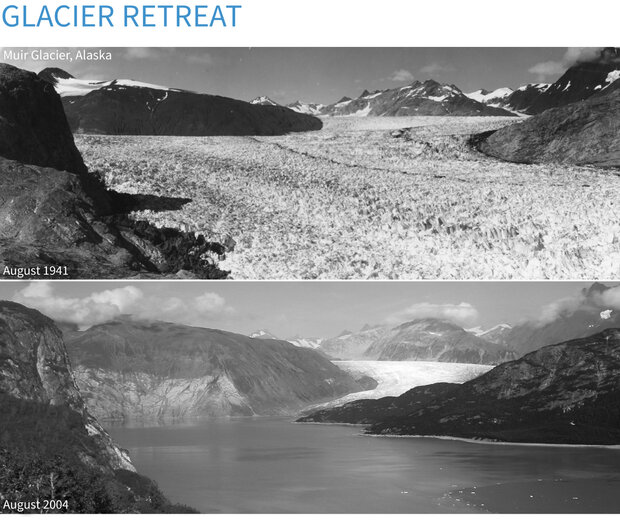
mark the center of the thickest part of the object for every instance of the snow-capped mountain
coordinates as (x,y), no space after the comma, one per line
(314,109)
(264,100)
(129,107)
(521,99)
(67,85)
(496,98)
(580,82)
(419,98)
(306,342)
(436,340)
(262,334)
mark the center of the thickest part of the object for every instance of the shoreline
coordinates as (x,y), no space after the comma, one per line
(489,441)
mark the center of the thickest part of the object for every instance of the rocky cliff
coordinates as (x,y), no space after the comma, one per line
(579,133)
(56,214)
(567,393)
(51,447)
(131,368)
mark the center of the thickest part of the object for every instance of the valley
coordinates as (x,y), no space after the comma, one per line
(373,198)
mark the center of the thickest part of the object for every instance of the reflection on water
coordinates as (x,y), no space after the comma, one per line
(269,465)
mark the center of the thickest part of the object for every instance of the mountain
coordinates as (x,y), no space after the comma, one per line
(129,368)
(567,393)
(578,133)
(306,342)
(522,99)
(436,340)
(262,334)
(496,98)
(55,213)
(352,345)
(580,82)
(128,107)
(495,334)
(50,444)
(264,100)
(419,98)
(590,314)
(313,109)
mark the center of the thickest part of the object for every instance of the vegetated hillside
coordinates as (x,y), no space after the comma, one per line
(578,133)
(55,213)
(428,98)
(567,393)
(130,368)
(51,447)
(436,340)
(126,107)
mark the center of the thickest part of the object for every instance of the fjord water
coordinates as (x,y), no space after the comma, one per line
(272,465)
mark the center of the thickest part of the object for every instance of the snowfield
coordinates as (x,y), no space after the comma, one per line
(397,377)
(374,197)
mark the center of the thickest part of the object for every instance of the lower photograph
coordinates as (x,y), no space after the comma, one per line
(309,397)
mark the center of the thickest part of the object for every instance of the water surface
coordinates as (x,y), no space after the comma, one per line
(271,465)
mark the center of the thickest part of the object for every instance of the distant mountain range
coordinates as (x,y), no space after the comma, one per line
(128,107)
(578,83)
(436,340)
(567,393)
(127,369)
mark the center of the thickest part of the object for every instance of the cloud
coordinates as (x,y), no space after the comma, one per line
(201,59)
(436,68)
(402,76)
(145,54)
(102,306)
(571,57)
(462,314)
(593,301)
(547,69)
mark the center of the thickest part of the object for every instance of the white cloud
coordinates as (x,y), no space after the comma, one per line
(462,314)
(143,54)
(402,76)
(436,68)
(102,306)
(202,58)
(571,57)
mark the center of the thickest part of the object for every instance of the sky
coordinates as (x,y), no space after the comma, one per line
(286,309)
(319,75)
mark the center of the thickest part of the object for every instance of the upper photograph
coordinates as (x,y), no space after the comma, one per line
(310,163)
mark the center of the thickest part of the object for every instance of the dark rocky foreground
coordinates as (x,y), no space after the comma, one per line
(587,132)
(567,393)
(50,445)
(56,214)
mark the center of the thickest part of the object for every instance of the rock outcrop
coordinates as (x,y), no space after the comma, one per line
(579,133)
(436,340)
(567,393)
(33,126)
(35,367)
(128,369)
(51,446)
(54,213)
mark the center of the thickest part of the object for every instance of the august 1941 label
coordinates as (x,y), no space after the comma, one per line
(36,271)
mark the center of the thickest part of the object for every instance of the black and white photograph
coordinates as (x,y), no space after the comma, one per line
(309,397)
(310,163)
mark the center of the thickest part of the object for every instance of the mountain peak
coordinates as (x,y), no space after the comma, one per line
(52,74)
